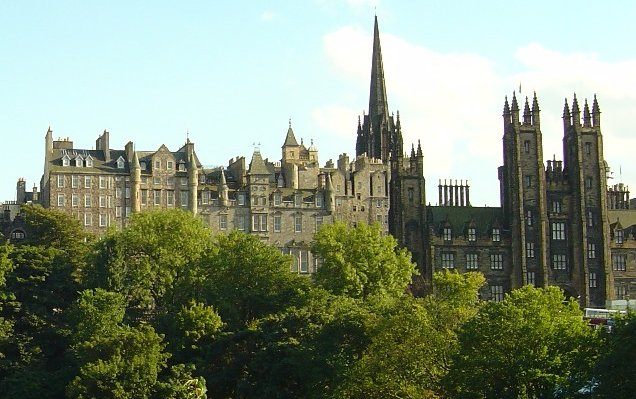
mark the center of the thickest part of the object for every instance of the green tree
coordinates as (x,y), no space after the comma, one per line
(144,260)
(40,286)
(245,279)
(532,344)
(361,262)
(615,372)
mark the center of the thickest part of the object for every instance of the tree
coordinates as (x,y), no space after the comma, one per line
(532,344)
(616,367)
(245,279)
(144,260)
(361,262)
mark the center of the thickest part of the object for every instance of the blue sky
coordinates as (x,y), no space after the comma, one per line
(233,73)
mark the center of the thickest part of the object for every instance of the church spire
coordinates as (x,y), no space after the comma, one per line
(378,106)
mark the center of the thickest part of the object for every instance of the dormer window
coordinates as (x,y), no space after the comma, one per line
(280,182)
(447,234)
(89,161)
(619,235)
(142,165)
(472,234)
(120,163)
(66,161)
(181,167)
(79,161)
(277,199)
(496,235)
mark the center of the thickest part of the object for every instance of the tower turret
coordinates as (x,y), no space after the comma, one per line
(223,190)
(193,177)
(135,183)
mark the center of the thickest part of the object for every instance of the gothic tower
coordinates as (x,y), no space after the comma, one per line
(523,190)
(588,222)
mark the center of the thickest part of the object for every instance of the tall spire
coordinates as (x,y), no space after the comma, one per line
(378,105)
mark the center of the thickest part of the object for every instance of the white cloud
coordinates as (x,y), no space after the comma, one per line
(452,102)
(267,16)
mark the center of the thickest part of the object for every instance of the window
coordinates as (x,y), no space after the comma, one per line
(156,181)
(496,235)
(127,192)
(559,262)
(556,207)
(169,165)
(263,201)
(619,236)
(128,211)
(66,161)
(120,163)
(118,192)
(590,218)
(89,161)
(181,166)
(87,182)
(87,200)
(448,260)
(60,181)
(170,198)
(318,200)
(259,222)
(496,293)
(74,181)
(526,146)
(118,211)
(303,260)
(472,261)
(558,230)
(298,198)
(528,180)
(88,219)
(338,201)
(530,278)
(79,161)
(144,197)
(17,235)
(184,181)
(75,200)
(102,220)
(593,280)
(280,182)
(277,223)
(447,234)
(588,182)
(184,199)
(588,148)
(170,181)
(529,250)
(157,197)
(60,200)
(142,165)
(318,223)
(298,223)
(591,250)
(411,194)
(241,199)
(277,199)
(157,164)
(619,262)
(223,222)
(496,261)
(103,182)
(378,203)
(102,201)
(529,217)
(620,291)
(472,234)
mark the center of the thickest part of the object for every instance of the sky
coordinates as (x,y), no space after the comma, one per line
(230,75)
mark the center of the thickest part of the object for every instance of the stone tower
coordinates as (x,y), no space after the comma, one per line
(523,192)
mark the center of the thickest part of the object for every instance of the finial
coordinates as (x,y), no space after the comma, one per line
(290,122)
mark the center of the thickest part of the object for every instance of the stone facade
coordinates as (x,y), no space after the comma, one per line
(558,222)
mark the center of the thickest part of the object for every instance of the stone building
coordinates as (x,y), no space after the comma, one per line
(558,222)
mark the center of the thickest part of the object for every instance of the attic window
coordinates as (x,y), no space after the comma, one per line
(142,165)
(620,236)
(120,163)
(472,234)
(496,235)
(79,161)
(65,161)
(89,161)
(181,167)
(448,234)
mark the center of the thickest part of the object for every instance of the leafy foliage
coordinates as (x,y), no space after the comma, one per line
(361,262)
